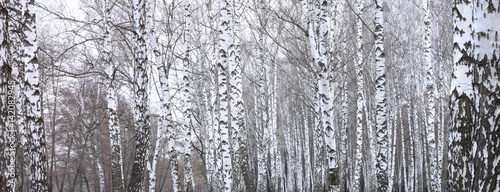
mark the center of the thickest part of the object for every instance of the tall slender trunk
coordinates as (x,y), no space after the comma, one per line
(392,162)
(279,181)
(263,124)
(380,99)
(418,148)
(360,99)
(209,141)
(165,121)
(98,160)
(114,127)
(142,144)
(186,99)
(343,130)
(238,132)
(151,167)
(307,153)
(4,79)
(431,111)
(299,148)
(226,41)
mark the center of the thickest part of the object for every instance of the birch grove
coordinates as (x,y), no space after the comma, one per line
(229,95)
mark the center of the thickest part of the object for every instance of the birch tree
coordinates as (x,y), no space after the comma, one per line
(326,103)
(239,146)
(380,99)
(33,102)
(263,124)
(431,111)
(225,44)
(473,158)
(114,126)
(15,99)
(3,89)
(141,105)
(320,97)
(153,41)
(167,123)
(186,99)
(7,107)
(209,141)
(360,98)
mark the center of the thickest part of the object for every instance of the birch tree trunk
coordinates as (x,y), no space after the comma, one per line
(418,148)
(98,159)
(165,121)
(431,111)
(170,133)
(142,126)
(264,124)
(151,164)
(33,102)
(276,131)
(360,99)
(225,43)
(186,92)
(241,173)
(15,99)
(332,180)
(211,131)
(307,154)
(114,127)
(4,88)
(11,102)
(380,99)
(474,142)
(461,125)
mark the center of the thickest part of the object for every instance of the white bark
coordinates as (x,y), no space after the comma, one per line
(418,149)
(360,99)
(226,41)
(392,162)
(114,127)
(34,120)
(98,159)
(239,147)
(262,184)
(8,109)
(474,158)
(307,154)
(288,180)
(324,86)
(431,111)
(186,99)
(142,144)
(460,101)
(165,121)
(275,132)
(299,148)
(209,143)
(15,98)
(380,99)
